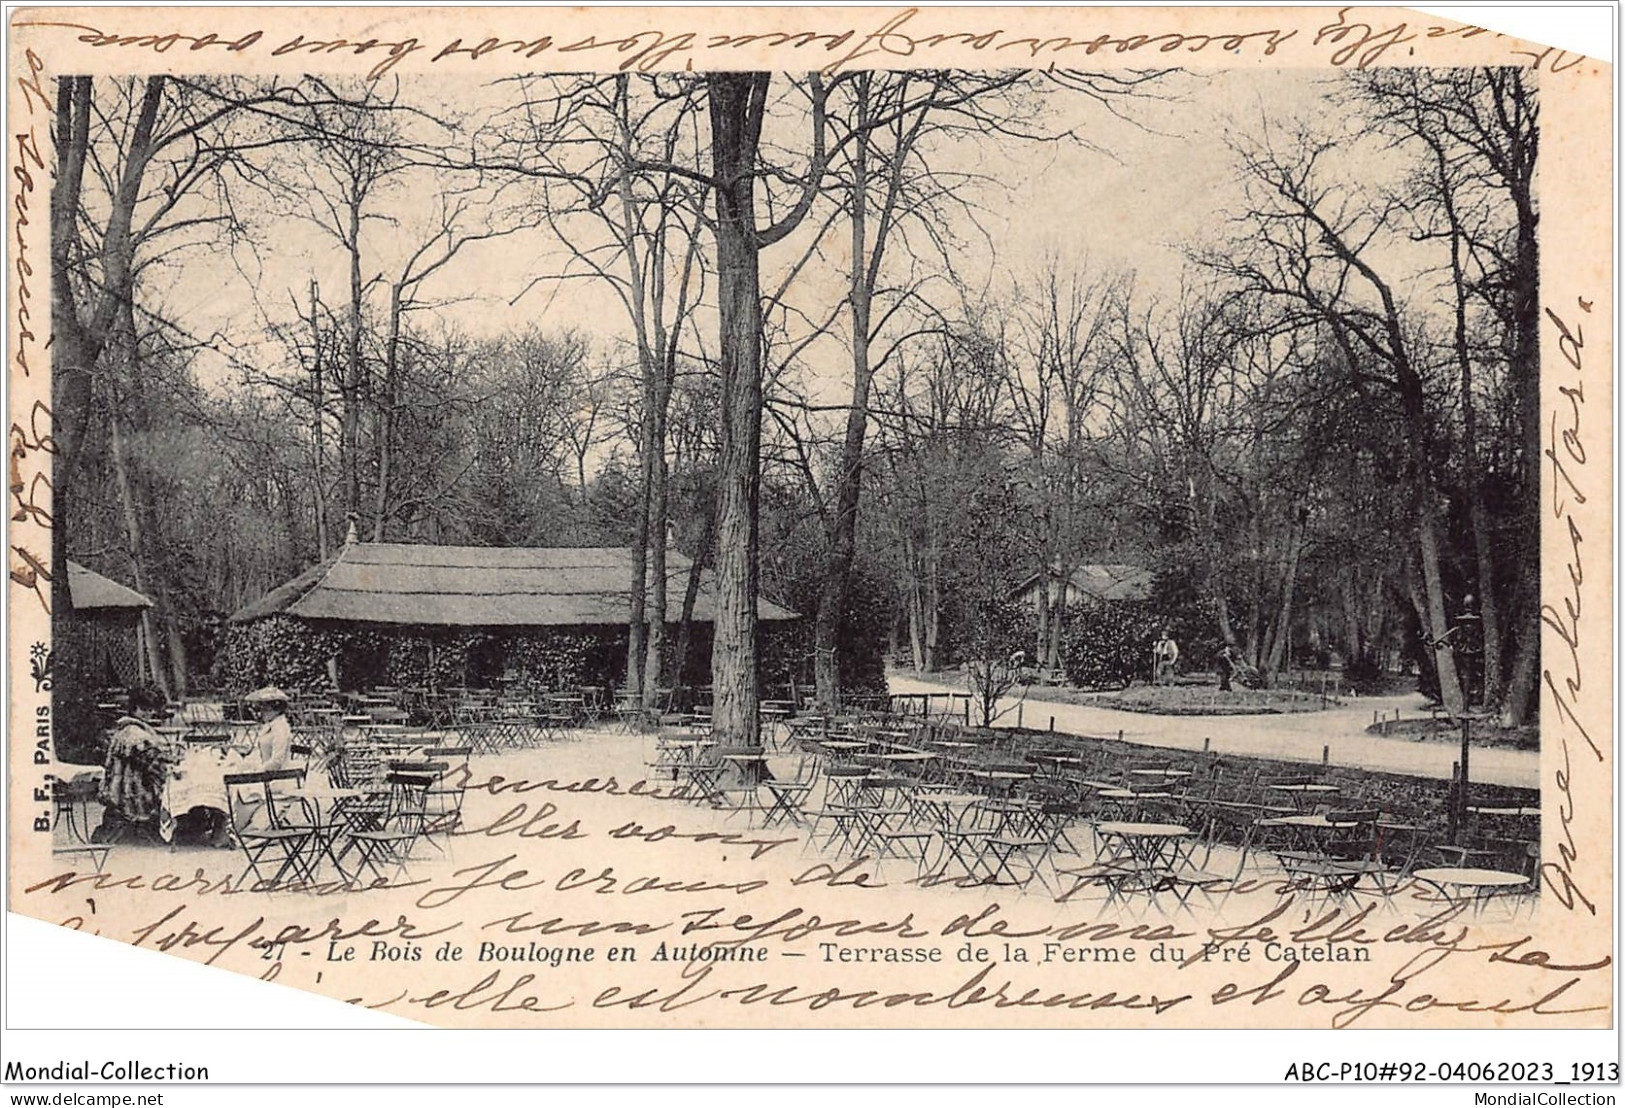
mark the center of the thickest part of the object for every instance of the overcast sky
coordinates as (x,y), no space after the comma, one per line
(1136,200)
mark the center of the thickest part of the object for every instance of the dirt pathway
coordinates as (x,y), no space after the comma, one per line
(1295,737)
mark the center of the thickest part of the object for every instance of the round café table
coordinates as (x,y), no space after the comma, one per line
(1307,794)
(1138,857)
(1469,885)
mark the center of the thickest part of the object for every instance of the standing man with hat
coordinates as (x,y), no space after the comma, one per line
(1164,653)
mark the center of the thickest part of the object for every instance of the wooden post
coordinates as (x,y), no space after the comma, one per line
(1207,743)
(1019,707)
(1465,778)
(1453,815)
(1325,755)
(1052,724)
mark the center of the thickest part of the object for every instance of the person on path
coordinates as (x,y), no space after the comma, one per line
(1164,653)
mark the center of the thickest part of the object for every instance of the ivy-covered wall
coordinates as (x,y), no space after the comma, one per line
(294,654)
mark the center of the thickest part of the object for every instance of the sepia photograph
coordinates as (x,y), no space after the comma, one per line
(1069,538)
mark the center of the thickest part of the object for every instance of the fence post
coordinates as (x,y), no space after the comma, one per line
(1019,707)
(1052,724)
(1454,815)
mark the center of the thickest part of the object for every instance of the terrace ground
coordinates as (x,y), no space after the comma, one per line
(563,840)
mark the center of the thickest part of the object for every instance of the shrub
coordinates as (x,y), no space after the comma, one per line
(1364,676)
(1108,645)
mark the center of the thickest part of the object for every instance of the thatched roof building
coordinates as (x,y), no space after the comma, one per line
(104,628)
(481,586)
(1091,584)
(421,615)
(90,592)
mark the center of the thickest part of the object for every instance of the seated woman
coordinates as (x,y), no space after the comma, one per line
(270,746)
(137,769)
(199,795)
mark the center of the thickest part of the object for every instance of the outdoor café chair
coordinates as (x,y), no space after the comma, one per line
(628,710)
(1186,880)
(838,825)
(965,843)
(391,843)
(71,832)
(262,829)
(789,796)
(592,704)
(704,773)
(1007,851)
(444,803)
(894,837)
(1336,860)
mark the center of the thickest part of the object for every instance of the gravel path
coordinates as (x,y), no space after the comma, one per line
(1290,736)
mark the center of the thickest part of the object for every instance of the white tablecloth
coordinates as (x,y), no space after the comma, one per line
(198,782)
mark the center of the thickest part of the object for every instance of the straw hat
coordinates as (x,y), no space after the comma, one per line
(270,694)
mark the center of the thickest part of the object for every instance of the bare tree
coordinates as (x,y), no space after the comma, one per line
(605,153)
(1054,391)
(1310,251)
(1477,135)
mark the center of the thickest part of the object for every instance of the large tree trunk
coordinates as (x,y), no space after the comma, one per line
(914,604)
(318,404)
(691,594)
(135,536)
(386,408)
(837,583)
(1281,632)
(657,566)
(638,589)
(933,610)
(1478,514)
(1521,700)
(350,418)
(1041,640)
(1353,631)
(737,101)
(1437,620)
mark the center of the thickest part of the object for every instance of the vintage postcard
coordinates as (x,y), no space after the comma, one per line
(820,518)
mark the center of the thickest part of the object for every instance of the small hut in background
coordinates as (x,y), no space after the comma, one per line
(1091,584)
(418,615)
(106,630)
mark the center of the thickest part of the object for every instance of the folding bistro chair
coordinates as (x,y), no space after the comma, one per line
(966,842)
(789,797)
(263,830)
(444,803)
(894,835)
(392,842)
(70,827)
(1342,860)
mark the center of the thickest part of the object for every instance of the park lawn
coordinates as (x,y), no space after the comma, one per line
(1199,700)
(1485,733)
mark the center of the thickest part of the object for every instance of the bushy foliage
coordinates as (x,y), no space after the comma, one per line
(1364,676)
(279,650)
(76,726)
(1108,645)
(1191,618)
(294,655)
(870,607)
